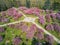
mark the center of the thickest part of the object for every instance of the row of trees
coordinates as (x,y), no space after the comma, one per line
(5,4)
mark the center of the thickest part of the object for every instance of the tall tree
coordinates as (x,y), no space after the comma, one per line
(56,5)
(2,5)
(47,4)
(39,3)
(28,3)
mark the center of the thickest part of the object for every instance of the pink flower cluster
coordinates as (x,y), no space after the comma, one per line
(22,8)
(48,18)
(1,29)
(49,39)
(42,19)
(33,10)
(3,13)
(1,38)
(13,12)
(28,11)
(4,20)
(58,16)
(56,27)
(3,17)
(16,41)
(53,27)
(40,34)
(24,27)
(31,32)
(53,16)
(50,27)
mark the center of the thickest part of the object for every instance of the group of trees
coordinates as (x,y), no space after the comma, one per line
(54,6)
(5,4)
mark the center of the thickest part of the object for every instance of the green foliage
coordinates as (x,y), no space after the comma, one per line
(2,5)
(58,44)
(39,3)
(47,4)
(5,4)
(16,3)
(56,6)
(28,3)
(34,41)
